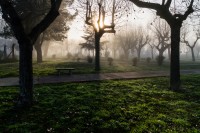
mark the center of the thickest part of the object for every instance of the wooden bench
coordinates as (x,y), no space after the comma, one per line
(65,69)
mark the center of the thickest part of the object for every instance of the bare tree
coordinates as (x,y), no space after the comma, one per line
(152,46)
(99,25)
(102,16)
(189,44)
(175,19)
(142,40)
(162,35)
(127,41)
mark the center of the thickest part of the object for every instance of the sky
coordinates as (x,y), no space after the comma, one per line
(140,18)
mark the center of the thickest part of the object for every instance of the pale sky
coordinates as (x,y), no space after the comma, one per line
(141,18)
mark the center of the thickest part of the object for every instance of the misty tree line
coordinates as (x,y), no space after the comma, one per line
(132,42)
(14,13)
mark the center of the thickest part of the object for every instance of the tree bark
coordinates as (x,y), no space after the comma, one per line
(13,51)
(97,52)
(38,48)
(192,51)
(152,57)
(26,73)
(138,53)
(175,57)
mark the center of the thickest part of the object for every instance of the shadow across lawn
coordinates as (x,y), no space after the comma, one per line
(144,105)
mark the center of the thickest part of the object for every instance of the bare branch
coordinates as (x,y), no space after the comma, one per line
(168,3)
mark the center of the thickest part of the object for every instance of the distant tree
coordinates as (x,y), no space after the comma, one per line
(185,40)
(58,30)
(152,46)
(142,40)
(162,35)
(26,38)
(5,33)
(89,43)
(174,17)
(127,42)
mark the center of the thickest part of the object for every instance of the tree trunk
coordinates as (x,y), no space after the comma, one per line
(46,47)
(26,73)
(38,48)
(39,54)
(13,51)
(138,54)
(192,51)
(152,57)
(169,53)
(5,51)
(161,51)
(175,57)
(97,52)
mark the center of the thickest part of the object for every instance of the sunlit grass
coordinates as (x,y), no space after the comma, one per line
(144,105)
(83,67)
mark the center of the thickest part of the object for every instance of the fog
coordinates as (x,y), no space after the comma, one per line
(113,48)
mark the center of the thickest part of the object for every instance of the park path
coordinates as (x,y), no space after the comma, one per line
(14,81)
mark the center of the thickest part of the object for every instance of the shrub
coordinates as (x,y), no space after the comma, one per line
(110,61)
(89,59)
(160,60)
(135,61)
(148,59)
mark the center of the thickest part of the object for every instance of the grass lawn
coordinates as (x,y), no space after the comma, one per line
(137,106)
(48,67)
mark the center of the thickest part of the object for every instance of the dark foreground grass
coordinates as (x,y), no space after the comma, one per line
(144,105)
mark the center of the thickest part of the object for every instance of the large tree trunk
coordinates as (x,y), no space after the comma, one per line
(26,73)
(192,51)
(97,52)
(175,57)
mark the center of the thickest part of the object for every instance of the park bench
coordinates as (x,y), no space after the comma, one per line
(59,70)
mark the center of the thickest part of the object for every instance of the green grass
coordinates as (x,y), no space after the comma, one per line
(48,67)
(137,106)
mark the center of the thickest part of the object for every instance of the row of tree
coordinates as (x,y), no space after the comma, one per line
(133,40)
